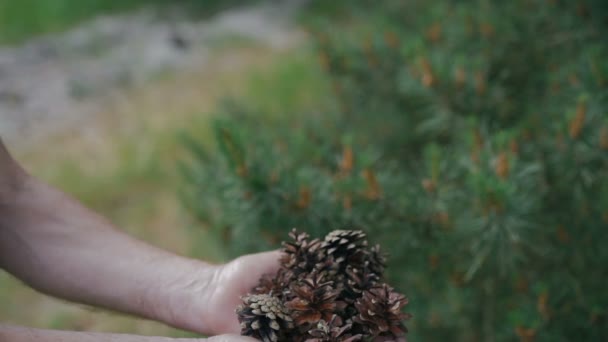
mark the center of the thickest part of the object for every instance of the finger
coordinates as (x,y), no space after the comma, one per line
(255,265)
(266,262)
(248,270)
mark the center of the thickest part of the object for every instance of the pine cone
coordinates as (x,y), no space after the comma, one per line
(272,284)
(332,331)
(356,282)
(320,285)
(301,256)
(312,299)
(346,247)
(376,261)
(264,317)
(380,313)
(329,269)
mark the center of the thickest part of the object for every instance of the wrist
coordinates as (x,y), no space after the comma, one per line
(12,178)
(180,296)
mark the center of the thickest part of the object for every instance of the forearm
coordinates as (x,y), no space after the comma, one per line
(19,334)
(63,249)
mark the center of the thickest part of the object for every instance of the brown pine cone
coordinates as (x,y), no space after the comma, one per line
(300,256)
(267,284)
(346,247)
(376,261)
(311,300)
(273,284)
(264,317)
(380,313)
(332,331)
(328,268)
(357,281)
(320,285)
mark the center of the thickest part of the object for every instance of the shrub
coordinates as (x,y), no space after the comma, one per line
(468,138)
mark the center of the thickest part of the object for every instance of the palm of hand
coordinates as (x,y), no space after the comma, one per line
(231,281)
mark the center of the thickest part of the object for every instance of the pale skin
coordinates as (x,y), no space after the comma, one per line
(60,248)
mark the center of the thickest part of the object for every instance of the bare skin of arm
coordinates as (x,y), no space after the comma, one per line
(19,334)
(59,247)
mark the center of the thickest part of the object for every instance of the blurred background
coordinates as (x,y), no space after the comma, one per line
(469,138)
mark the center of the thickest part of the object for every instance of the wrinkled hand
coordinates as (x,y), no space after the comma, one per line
(229,283)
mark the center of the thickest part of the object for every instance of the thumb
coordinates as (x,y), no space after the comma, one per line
(265,262)
(251,267)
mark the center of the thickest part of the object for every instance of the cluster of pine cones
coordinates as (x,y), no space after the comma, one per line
(327,290)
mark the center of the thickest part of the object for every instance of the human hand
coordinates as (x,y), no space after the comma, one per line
(210,311)
(232,281)
(210,308)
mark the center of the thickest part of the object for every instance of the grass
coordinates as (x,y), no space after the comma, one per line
(124,166)
(23,19)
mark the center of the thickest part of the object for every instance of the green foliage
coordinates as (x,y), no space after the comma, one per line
(22,19)
(469,138)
